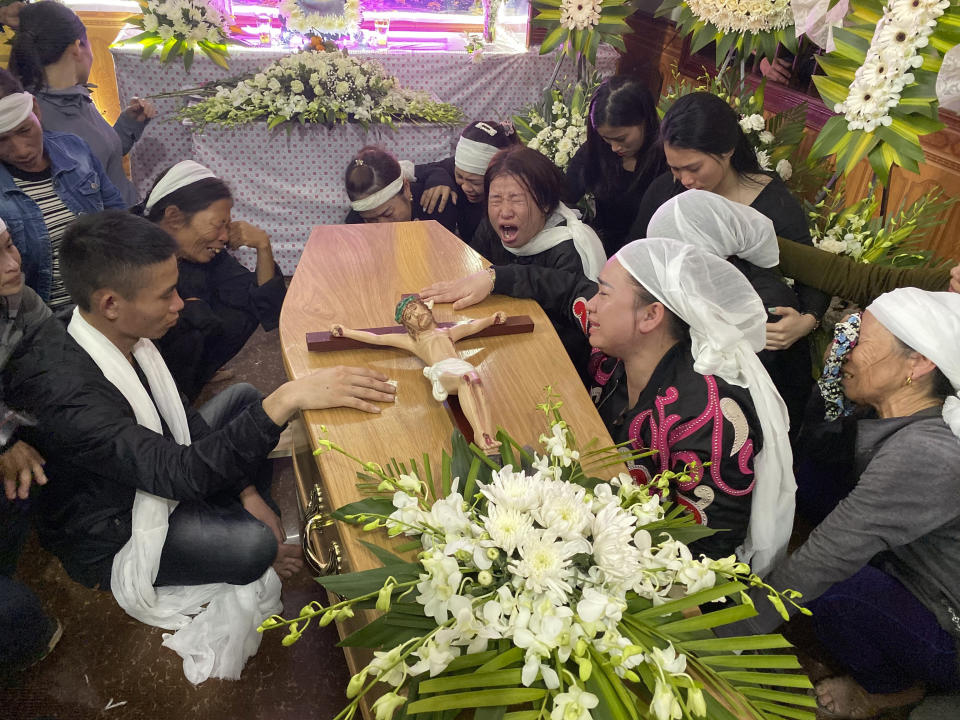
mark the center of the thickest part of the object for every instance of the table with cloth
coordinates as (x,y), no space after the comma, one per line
(288,183)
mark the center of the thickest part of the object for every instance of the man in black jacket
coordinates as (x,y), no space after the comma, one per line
(121,271)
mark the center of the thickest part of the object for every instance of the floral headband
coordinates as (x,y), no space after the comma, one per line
(845,335)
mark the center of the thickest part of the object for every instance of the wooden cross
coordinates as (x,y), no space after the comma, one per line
(323,342)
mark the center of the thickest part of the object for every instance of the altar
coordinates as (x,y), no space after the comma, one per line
(299,174)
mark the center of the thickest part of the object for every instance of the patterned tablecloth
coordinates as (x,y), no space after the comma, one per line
(288,183)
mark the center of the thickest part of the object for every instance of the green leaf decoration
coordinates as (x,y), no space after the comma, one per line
(471,681)
(364,582)
(367,506)
(480,698)
(915,115)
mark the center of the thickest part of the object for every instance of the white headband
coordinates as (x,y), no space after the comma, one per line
(384,194)
(14,109)
(472,156)
(179,176)
(3,226)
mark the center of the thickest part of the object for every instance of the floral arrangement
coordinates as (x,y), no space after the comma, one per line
(881,78)
(775,140)
(177,27)
(557,126)
(540,591)
(860,231)
(743,26)
(317,87)
(301,19)
(579,26)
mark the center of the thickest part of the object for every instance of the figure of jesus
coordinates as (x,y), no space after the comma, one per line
(445,369)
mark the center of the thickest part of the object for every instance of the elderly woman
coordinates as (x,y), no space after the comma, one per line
(47,179)
(880,573)
(223,301)
(678,330)
(746,238)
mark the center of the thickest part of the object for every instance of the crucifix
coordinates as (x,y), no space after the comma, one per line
(447,372)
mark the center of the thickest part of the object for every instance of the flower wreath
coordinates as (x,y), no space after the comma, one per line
(300,20)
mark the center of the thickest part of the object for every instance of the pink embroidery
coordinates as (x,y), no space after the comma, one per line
(595,368)
(665,433)
(744,457)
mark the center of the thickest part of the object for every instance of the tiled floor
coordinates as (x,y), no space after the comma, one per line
(110,666)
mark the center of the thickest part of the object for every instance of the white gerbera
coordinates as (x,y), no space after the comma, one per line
(580,14)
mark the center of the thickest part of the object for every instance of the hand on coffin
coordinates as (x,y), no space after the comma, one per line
(955,279)
(462,293)
(342,386)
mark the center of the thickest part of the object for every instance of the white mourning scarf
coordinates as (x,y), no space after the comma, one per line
(928,322)
(14,109)
(217,640)
(184,173)
(727,328)
(585,240)
(719,226)
(375,200)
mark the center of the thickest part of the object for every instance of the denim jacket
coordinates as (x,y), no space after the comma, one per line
(83,186)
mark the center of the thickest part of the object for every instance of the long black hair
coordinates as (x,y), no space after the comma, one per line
(621,101)
(704,122)
(47,29)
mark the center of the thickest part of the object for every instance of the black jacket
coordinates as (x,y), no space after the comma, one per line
(774,201)
(98,456)
(618,201)
(531,276)
(688,418)
(223,305)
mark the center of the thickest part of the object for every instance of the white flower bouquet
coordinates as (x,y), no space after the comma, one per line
(302,18)
(579,26)
(540,591)
(177,27)
(313,86)
(556,127)
(859,231)
(743,26)
(881,80)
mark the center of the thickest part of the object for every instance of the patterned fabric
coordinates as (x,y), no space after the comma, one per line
(286,184)
(39,188)
(845,334)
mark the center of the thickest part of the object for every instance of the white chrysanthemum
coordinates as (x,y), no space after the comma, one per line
(743,15)
(508,489)
(564,509)
(784,169)
(613,550)
(763,159)
(545,564)
(507,526)
(580,14)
